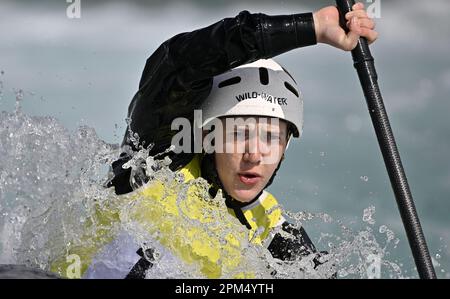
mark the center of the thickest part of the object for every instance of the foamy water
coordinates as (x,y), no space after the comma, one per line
(52,185)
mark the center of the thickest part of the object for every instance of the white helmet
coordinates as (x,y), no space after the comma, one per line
(261,88)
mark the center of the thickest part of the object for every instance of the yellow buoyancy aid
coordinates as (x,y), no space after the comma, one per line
(178,212)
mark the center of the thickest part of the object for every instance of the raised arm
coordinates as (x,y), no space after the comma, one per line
(178,76)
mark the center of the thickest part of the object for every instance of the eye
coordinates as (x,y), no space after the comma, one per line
(240,134)
(273,137)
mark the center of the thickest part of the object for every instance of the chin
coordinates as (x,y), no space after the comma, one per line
(245,195)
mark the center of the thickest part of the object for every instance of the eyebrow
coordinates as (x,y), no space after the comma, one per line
(266,129)
(271,130)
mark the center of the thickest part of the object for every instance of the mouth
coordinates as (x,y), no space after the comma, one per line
(249,178)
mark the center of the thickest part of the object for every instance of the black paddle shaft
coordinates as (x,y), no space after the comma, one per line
(364,64)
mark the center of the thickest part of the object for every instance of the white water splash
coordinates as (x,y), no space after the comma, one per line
(353,253)
(52,181)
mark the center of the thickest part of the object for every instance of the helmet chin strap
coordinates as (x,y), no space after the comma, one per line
(275,172)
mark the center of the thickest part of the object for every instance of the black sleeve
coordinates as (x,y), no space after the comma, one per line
(297,245)
(178,76)
(287,249)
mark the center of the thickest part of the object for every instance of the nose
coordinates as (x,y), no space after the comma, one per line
(254,151)
(253,158)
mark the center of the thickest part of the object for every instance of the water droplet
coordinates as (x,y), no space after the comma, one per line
(322,154)
(327,218)
(438,256)
(19,95)
(368,215)
(383,229)
(390,235)
(364,178)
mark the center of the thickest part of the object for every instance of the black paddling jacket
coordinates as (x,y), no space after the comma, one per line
(178,77)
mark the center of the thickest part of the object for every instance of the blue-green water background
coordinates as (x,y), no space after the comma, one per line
(85,71)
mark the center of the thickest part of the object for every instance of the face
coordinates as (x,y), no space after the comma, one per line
(249,160)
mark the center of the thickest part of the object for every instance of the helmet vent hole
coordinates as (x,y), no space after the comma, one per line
(291,89)
(263,76)
(231,81)
(289,75)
